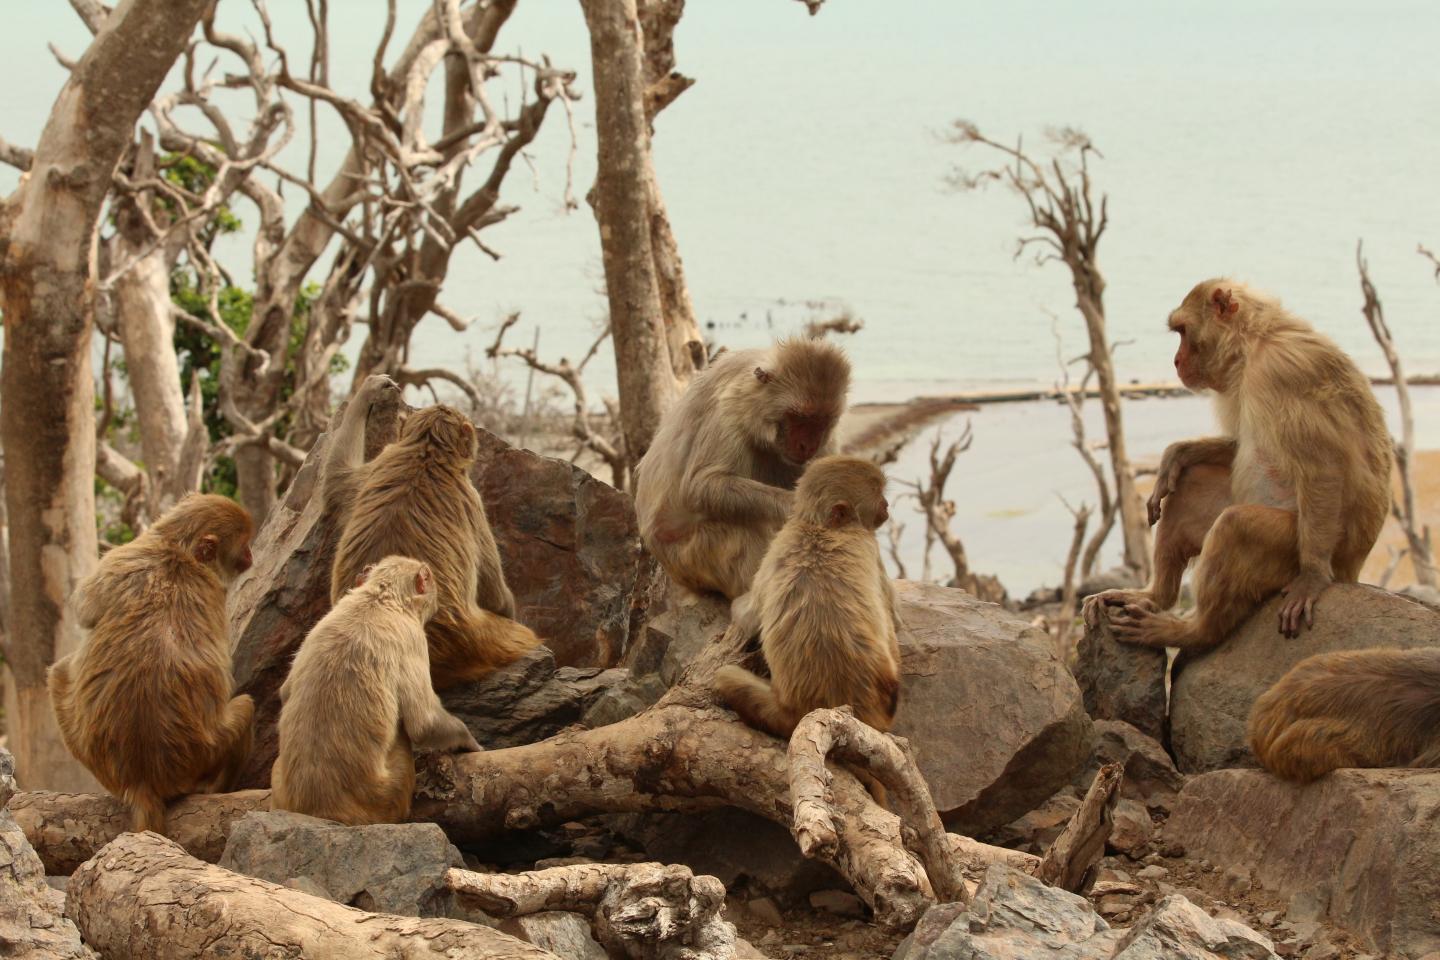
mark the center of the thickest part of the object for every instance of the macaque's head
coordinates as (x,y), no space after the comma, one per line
(1211,321)
(406,580)
(841,491)
(215,530)
(800,393)
(444,430)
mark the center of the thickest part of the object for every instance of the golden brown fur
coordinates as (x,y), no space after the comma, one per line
(824,607)
(146,703)
(717,482)
(1291,498)
(1360,708)
(416,499)
(358,699)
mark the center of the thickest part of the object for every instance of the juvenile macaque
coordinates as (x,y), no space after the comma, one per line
(358,699)
(719,479)
(1290,499)
(415,499)
(1357,708)
(146,703)
(825,609)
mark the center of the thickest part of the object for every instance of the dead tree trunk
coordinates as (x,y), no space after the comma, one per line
(622,201)
(143,897)
(47,397)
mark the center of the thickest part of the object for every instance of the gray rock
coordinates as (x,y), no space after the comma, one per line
(528,700)
(1133,828)
(563,934)
(1178,930)
(386,868)
(1211,694)
(995,719)
(1121,681)
(1150,774)
(32,912)
(1357,848)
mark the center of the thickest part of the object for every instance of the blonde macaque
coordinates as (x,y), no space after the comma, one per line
(1290,499)
(719,478)
(825,609)
(1356,708)
(416,499)
(358,701)
(146,703)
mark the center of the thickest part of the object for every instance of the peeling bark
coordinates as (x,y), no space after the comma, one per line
(143,897)
(1070,861)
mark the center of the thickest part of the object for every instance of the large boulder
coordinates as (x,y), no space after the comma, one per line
(1212,693)
(1013,916)
(32,913)
(1357,847)
(996,720)
(569,543)
(395,868)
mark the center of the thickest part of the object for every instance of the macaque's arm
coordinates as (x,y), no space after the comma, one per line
(426,721)
(1178,457)
(722,495)
(347,447)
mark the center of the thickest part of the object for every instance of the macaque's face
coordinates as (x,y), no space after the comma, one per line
(1191,357)
(802,435)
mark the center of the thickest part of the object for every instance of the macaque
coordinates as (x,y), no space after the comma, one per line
(358,700)
(145,704)
(1355,708)
(718,481)
(825,610)
(415,499)
(1290,499)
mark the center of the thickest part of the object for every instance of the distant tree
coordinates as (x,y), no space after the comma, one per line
(1058,195)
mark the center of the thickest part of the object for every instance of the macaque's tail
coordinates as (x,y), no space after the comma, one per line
(147,810)
(754,699)
(467,645)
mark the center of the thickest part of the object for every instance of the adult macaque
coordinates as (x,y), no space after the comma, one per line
(718,481)
(146,703)
(358,700)
(1356,708)
(825,609)
(1290,499)
(415,499)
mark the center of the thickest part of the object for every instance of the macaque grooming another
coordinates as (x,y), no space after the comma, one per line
(1290,499)
(358,700)
(824,608)
(718,481)
(415,499)
(1355,708)
(146,703)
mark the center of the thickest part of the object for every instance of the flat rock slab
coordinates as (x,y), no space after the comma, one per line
(996,720)
(1211,694)
(1363,844)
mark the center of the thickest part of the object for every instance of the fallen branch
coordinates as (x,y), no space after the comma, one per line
(838,735)
(1070,861)
(144,897)
(647,910)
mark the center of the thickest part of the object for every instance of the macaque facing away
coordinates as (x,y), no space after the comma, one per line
(145,704)
(1291,498)
(1355,708)
(825,609)
(358,699)
(718,480)
(416,499)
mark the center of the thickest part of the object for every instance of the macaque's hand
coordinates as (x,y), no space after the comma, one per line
(1164,486)
(1300,596)
(470,746)
(377,388)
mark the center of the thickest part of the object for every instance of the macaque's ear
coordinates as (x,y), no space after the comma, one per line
(841,513)
(763,375)
(364,575)
(207,547)
(1226,306)
(422,581)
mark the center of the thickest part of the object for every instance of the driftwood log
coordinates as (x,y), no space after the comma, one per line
(143,897)
(639,910)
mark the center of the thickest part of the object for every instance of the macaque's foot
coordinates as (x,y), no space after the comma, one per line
(1097,603)
(1299,606)
(1143,625)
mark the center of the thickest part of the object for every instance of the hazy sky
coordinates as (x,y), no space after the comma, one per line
(1260,139)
